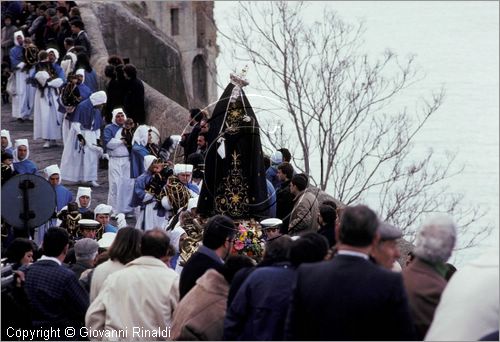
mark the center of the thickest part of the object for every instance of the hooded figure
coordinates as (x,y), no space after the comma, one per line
(63,198)
(120,184)
(235,182)
(80,156)
(17,63)
(139,150)
(6,142)
(47,119)
(68,63)
(22,165)
(85,91)
(84,203)
(147,213)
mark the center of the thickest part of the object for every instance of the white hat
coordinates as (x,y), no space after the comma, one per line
(277,157)
(148,160)
(98,98)
(192,203)
(5,133)
(18,33)
(175,237)
(89,224)
(42,77)
(80,72)
(141,135)
(54,51)
(83,191)
(270,222)
(102,209)
(175,139)
(53,169)
(21,142)
(181,168)
(115,112)
(73,58)
(106,240)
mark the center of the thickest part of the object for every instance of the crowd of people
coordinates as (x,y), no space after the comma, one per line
(328,271)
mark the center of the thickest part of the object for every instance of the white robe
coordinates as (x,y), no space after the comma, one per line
(79,164)
(29,98)
(47,119)
(19,98)
(149,216)
(121,186)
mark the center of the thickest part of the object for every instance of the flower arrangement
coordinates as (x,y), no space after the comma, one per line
(248,241)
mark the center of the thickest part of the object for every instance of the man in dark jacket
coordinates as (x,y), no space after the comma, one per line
(80,36)
(218,238)
(57,299)
(284,198)
(349,297)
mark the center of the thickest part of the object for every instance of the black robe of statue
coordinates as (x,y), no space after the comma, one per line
(236,185)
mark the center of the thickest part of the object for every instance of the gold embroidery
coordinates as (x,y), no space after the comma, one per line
(233,199)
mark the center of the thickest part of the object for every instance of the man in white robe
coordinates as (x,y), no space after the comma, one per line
(81,153)
(121,185)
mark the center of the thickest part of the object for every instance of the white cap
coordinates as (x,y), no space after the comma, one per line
(115,112)
(80,72)
(277,157)
(6,134)
(98,98)
(148,160)
(52,169)
(18,33)
(181,168)
(22,142)
(106,240)
(54,51)
(42,77)
(192,203)
(270,222)
(83,191)
(141,135)
(175,139)
(103,209)
(89,224)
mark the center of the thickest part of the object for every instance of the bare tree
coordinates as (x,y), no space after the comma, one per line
(338,105)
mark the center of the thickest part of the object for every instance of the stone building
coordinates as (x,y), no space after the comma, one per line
(191,25)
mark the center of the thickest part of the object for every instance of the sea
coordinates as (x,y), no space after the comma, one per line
(456,45)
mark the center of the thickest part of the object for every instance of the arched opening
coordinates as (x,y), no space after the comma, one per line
(199,72)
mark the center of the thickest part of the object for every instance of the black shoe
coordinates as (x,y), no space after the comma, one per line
(20,120)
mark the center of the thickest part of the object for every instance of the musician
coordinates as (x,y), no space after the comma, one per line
(47,118)
(30,60)
(120,184)
(142,145)
(81,152)
(145,198)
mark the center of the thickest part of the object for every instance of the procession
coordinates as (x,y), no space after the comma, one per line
(202,234)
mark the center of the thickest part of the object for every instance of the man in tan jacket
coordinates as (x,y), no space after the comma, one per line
(304,215)
(137,303)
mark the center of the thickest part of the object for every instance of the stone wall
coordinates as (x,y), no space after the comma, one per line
(162,112)
(196,37)
(155,55)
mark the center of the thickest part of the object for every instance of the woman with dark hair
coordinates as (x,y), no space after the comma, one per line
(20,252)
(125,247)
(133,102)
(83,62)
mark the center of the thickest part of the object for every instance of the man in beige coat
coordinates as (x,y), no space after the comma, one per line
(304,215)
(137,303)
